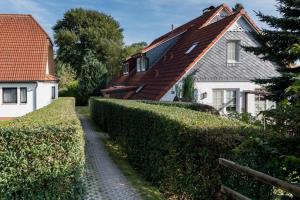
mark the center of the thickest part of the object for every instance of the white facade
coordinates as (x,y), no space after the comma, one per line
(39,94)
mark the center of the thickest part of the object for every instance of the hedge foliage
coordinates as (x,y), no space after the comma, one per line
(175,148)
(188,105)
(42,155)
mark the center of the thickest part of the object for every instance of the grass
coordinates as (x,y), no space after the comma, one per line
(144,188)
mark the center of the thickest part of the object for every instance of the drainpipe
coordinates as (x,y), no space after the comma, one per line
(35,96)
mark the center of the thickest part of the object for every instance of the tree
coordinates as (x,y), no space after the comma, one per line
(65,74)
(188,88)
(81,31)
(132,49)
(91,79)
(281,45)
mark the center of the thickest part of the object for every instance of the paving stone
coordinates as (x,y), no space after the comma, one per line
(103,179)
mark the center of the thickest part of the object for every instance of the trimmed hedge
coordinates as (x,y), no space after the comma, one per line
(42,154)
(187,105)
(175,148)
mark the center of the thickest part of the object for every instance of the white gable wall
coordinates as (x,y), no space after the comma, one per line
(40,91)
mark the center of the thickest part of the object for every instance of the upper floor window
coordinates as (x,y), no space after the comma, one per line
(9,95)
(126,68)
(142,64)
(233,51)
(192,48)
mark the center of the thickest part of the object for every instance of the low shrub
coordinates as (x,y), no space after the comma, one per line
(42,155)
(174,148)
(186,105)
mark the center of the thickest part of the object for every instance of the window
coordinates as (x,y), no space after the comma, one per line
(233,51)
(142,64)
(53,92)
(9,95)
(191,48)
(225,100)
(23,95)
(262,104)
(125,68)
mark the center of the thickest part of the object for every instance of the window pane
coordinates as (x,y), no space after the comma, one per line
(218,98)
(230,101)
(9,95)
(23,95)
(233,51)
(53,92)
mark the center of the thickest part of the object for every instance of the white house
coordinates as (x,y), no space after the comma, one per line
(27,70)
(210,49)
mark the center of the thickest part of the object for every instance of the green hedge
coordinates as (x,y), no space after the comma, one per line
(42,155)
(187,105)
(175,148)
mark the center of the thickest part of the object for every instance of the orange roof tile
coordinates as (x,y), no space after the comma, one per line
(24,49)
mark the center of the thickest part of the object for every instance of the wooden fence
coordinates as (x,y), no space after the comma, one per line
(291,188)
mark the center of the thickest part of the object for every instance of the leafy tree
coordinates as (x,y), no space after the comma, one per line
(91,78)
(132,49)
(281,45)
(66,75)
(81,31)
(188,88)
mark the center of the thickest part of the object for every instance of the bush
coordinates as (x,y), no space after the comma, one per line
(175,148)
(186,105)
(275,155)
(42,155)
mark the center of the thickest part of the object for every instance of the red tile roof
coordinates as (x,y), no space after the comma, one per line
(175,63)
(24,50)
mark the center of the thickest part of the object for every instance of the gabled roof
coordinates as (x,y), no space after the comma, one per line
(24,49)
(197,22)
(158,80)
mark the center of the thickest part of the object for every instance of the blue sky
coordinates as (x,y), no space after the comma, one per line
(142,20)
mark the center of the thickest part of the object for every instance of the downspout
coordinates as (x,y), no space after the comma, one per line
(35,96)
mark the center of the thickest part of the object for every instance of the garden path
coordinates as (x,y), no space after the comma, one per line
(104,181)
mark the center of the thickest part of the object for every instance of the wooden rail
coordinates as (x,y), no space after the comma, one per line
(291,188)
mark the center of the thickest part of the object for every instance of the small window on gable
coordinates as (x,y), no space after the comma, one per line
(125,68)
(192,48)
(233,51)
(142,64)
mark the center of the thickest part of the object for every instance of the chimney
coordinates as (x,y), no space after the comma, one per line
(208,9)
(172,27)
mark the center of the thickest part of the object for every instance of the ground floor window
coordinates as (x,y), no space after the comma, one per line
(53,92)
(9,95)
(225,100)
(23,95)
(262,104)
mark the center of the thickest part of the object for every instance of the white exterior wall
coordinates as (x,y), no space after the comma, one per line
(40,91)
(208,87)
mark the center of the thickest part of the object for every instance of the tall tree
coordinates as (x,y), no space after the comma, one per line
(132,49)
(91,79)
(280,44)
(81,31)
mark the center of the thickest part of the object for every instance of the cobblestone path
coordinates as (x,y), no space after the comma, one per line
(103,179)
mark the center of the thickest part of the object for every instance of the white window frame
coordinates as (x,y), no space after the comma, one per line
(192,48)
(126,69)
(26,90)
(223,108)
(10,88)
(237,52)
(53,92)
(141,64)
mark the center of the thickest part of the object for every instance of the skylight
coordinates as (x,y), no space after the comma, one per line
(191,48)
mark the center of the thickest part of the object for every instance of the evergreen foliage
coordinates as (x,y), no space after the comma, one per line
(188,88)
(280,44)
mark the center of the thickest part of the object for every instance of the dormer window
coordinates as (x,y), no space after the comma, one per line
(192,48)
(126,69)
(142,64)
(233,51)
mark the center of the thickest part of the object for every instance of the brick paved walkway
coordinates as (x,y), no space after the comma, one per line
(103,179)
